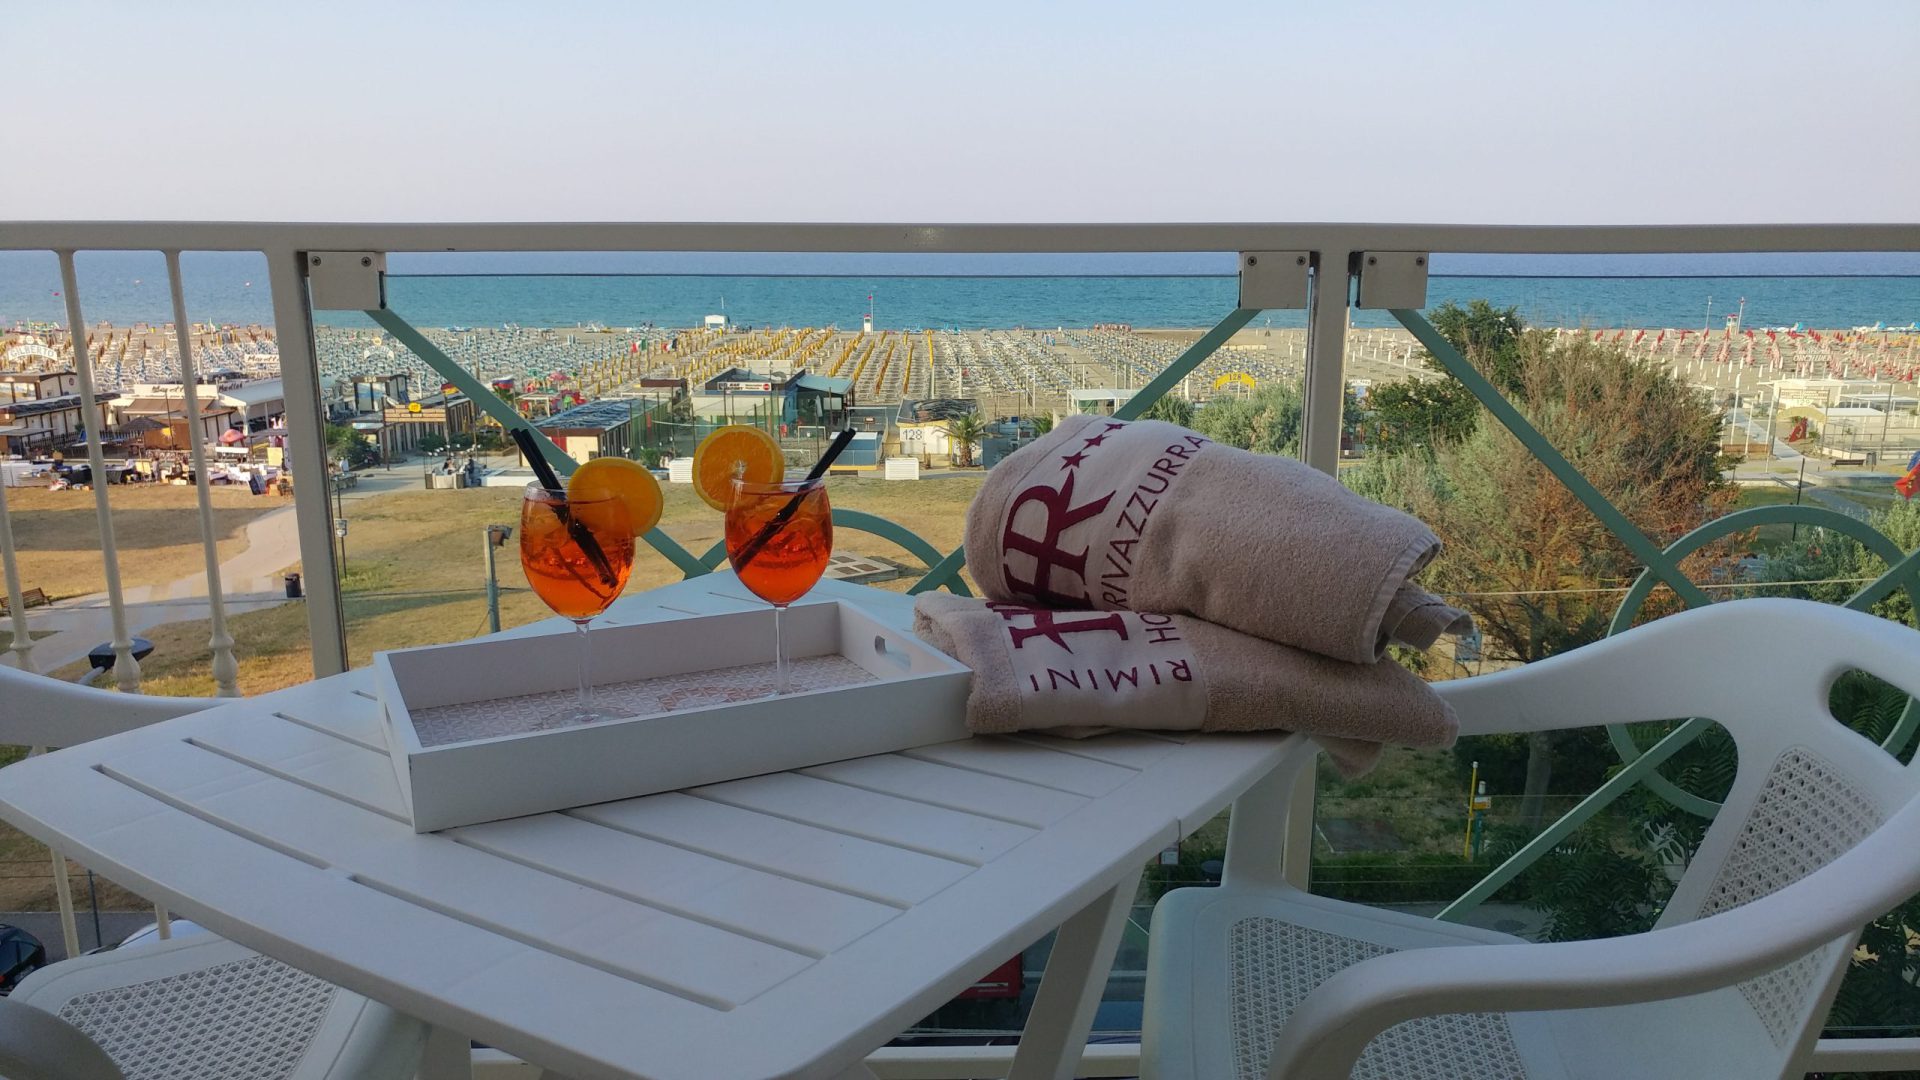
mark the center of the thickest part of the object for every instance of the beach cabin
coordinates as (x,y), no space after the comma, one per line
(596,429)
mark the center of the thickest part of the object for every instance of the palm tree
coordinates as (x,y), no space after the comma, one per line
(963,432)
(1042,423)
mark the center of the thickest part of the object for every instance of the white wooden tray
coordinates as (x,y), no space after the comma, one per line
(461,720)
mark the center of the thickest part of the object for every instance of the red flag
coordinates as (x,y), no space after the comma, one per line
(1815,335)
(1907,484)
(1598,334)
(1771,336)
(1799,430)
(1618,334)
(1657,340)
(1749,334)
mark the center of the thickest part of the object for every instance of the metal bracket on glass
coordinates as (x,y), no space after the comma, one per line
(1271,280)
(1392,279)
(347,280)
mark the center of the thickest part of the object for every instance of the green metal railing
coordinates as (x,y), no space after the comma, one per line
(1662,566)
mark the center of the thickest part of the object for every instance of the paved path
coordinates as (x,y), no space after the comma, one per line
(250,580)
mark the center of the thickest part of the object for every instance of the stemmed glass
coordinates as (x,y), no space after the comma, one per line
(577,554)
(778,539)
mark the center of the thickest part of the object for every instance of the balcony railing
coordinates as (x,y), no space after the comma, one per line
(1355,293)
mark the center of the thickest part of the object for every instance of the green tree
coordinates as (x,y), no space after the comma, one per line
(1521,552)
(349,447)
(1429,412)
(965,432)
(1171,409)
(1042,423)
(1267,422)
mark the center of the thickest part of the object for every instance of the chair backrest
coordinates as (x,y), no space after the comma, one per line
(1807,789)
(39,711)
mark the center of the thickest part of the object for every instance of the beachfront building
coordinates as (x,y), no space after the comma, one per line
(449,415)
(817,400)
(34,426)
(596,429)
(261,404)
(742,394)
(37,385)
(165,404)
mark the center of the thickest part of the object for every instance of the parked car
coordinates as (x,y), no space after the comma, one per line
(21,954)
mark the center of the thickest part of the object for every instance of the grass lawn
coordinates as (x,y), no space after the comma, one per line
(155,528)
(416,575)
(6,637)
(1767,537)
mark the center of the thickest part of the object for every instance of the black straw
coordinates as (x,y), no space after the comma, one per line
(786,513)
(582,536)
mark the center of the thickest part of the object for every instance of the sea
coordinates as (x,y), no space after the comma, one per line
(918,291)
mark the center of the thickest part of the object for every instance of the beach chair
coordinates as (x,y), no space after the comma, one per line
(1814,840)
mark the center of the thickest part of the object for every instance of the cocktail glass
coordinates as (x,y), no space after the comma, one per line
(778,539)
(577,554)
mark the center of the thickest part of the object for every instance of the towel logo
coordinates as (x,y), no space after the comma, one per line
(1139,663)
(1046,549)
(1047,624)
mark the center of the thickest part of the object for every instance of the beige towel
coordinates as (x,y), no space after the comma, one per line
(1147,516)
(1076,672)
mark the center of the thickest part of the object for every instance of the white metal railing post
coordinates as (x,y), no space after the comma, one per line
(1325,396)
(21,645)
(307,454)
(226,670)
(126,669)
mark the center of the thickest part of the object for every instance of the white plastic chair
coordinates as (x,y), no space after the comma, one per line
(200,1006)
(45,714)
(206,1007)
(1816,839)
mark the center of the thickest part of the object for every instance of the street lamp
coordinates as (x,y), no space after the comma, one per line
(497,536)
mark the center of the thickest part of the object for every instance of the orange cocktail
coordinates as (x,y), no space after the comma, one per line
(577,554)
(778,539)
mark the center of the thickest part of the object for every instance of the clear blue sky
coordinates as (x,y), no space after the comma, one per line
(1492,112)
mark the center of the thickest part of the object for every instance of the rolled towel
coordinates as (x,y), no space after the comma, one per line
(1080,672)
(1148,516)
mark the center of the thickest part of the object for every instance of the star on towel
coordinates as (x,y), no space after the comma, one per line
(1072,460)
(1096,440)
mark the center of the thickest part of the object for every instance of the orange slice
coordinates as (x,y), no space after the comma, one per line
(731,448)
(628,481)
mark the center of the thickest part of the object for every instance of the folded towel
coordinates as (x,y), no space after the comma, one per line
(1080,672)
(1147,516)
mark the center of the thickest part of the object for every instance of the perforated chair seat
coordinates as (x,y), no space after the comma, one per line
(1228,967)
(207,1008)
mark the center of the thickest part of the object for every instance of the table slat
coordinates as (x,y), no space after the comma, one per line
(860,867)
(778,909)
(957,789)
(596,928)
(949,834)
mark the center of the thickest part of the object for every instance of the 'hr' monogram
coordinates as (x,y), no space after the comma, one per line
(1046,550)
(1047,624)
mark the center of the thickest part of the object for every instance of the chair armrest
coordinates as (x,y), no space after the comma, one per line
(1710,661)
(1326,1035)
(36,1045)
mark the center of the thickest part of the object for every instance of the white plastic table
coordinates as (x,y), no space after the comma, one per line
(787,924)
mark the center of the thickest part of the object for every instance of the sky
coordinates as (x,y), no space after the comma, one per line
(1511,113)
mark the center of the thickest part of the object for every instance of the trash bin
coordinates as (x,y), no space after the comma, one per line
(293,587)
